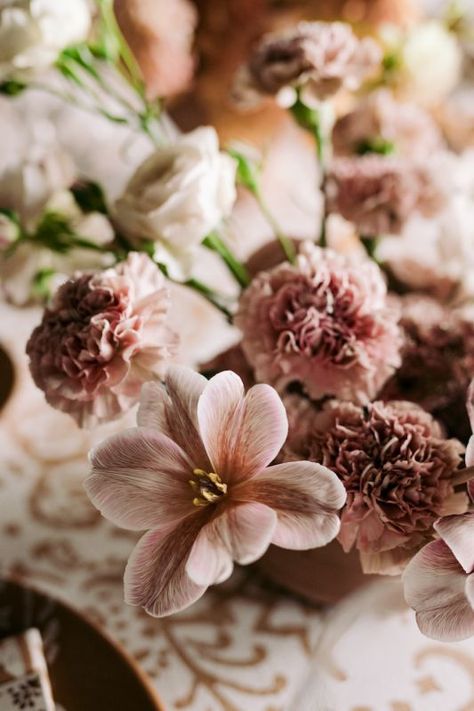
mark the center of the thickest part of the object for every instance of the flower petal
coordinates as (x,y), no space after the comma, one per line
(155,577)
(306,497)
(458,534)
(246,530)
(435,587)
(139,480)
(241,435)
(173,410)
(210,561)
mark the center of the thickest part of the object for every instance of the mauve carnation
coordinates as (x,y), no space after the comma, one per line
(323,323)
(437,360)
(404,127)
(317,57)
(103,336)
(378,194)
(397,469)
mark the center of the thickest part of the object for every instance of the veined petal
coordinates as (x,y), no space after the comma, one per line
(139,480)
(470,590)
(246,531)
(241,435)
(458,534)
(172,410)
(209,562)
(155,577)
(435,587)
(306,498)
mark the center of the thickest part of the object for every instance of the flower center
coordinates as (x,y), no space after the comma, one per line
(207,486)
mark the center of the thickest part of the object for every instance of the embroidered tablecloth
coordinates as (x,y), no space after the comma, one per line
(244,646)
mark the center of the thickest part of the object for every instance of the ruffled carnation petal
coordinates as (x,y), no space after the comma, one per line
(324,323)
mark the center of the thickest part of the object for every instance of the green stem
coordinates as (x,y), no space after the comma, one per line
(236,268)
(196,285)
(285,242)
(370,245)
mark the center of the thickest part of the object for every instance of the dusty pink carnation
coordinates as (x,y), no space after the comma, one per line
(318,57)
(102,337)
(437,360)
(323,323)
(397,469)
(378,193)
(408,128)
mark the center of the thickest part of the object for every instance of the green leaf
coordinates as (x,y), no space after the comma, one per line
(54,232)
(12,87)
(305,116)
(247,171)
(41,283)
(376,144)
(90,197)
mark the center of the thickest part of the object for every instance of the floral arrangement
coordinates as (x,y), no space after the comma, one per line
(356,348)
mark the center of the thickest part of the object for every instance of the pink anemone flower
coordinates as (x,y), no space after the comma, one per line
(196,474)
(439,581)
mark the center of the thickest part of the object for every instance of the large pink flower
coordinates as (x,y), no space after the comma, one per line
(195,473)
(324,323)
(398,470)
(317,57)
(378,194)
(380,120)
(103,336)
(439,581)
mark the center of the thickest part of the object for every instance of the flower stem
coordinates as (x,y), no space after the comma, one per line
(370,245)
(196,285)
(236,268)
(313,121)
(463,476)
(285,242)
(210,295)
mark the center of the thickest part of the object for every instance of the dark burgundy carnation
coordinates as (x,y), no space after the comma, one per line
(397,469)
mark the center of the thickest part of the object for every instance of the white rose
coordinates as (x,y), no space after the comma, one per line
(34,32)
(429,61)
(178,195)
(19,269)
(27,186)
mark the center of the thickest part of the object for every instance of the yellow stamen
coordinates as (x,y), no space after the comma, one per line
(208,486)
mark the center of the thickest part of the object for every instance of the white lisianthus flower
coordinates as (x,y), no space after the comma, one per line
(34,32)
(27,186)
(9,232)
(177,196)
(21,268)
(428,61)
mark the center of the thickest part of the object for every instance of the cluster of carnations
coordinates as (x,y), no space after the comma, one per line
(358,353)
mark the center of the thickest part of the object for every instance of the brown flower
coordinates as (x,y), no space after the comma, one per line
(437,360)
(403,127)
(378,194)
(323,323)
(396,467)
(317,57)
